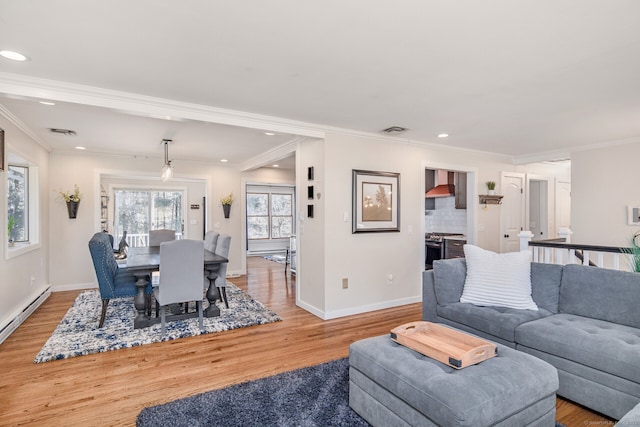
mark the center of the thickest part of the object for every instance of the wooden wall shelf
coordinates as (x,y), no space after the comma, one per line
(487,199)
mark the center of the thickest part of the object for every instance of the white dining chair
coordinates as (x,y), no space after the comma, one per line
(158,236)
(180,278)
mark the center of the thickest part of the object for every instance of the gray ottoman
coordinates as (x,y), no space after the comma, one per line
(391,385)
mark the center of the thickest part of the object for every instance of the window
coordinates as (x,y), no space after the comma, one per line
(138,210)
(22,206)
(18,203)
(269,216)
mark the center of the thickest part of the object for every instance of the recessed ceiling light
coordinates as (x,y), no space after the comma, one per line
(269,133)
(443,135)
(276,166)
(79,147)
(47,103)
(224,160)
(15,56)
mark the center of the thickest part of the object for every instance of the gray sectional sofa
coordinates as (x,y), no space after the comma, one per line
(587,326)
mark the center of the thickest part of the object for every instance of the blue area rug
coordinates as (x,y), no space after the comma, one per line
(78,333)
(313,396)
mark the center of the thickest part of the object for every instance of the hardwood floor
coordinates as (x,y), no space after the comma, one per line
(111,388)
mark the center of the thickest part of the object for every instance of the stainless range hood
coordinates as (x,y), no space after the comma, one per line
(445,187)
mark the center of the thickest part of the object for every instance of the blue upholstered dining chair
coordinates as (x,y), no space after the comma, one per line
(180,279)
(114,282)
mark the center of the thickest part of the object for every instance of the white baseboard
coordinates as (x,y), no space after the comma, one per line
(74,287)
(327,315)
(24,314)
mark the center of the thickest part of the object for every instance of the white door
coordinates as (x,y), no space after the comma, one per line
(512,211)
(563,205)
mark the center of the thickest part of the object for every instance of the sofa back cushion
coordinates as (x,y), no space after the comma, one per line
(449,277)
(545,285)
(601,293)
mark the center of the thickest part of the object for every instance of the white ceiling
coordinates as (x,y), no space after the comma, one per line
(532,79)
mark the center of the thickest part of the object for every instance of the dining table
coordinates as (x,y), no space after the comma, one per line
(143,261)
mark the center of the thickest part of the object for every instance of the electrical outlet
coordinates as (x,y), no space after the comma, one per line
(345,283)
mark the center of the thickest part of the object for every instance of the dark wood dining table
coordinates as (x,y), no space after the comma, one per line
(143,261)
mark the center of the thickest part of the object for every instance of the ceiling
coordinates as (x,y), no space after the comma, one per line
(531,79)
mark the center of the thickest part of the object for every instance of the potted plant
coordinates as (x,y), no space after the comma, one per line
(226,204)
(72,199)
(491,188)
(11,223)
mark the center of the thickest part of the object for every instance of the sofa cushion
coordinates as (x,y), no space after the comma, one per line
(601,345)
(499,280)
(449,277)
(601,293)
(499,322)
(545,285)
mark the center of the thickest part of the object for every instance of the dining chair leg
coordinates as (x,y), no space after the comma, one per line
(163,318)
(105,303)
(200,316)
(223,295)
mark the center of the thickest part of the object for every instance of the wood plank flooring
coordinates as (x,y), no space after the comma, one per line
(110,389)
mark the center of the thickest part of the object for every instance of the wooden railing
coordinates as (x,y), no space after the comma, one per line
(561,251)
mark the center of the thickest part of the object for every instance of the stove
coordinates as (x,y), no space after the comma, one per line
(434,247)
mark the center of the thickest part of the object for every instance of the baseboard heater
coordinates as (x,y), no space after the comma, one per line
(24,314)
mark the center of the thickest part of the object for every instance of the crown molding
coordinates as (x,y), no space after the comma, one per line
(24,128)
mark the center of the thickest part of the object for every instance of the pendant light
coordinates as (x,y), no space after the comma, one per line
(167,169)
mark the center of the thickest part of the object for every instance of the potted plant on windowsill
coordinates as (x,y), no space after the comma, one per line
(226,204)
(72,200)
(491,188)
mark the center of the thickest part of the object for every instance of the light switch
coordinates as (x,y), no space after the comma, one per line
(193,222)
(345,217)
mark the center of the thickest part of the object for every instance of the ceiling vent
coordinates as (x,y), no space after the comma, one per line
(67,132)
(394,130)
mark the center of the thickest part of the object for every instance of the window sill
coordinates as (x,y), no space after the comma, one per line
(20,249)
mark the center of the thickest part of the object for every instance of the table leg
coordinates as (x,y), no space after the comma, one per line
(212,295)
(140,302)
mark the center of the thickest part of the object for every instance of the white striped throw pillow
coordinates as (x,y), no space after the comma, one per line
(501,280)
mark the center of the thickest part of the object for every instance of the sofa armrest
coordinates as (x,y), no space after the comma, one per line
(428,296)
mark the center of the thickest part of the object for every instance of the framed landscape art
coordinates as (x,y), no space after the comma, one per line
(376,201)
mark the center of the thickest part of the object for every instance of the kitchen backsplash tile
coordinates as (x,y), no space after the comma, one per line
(446,218)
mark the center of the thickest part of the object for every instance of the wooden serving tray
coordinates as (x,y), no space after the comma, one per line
(449,346)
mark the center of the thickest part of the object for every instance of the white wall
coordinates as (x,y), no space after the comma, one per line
(367,259)
(70,262)
(16,288)
(603,183)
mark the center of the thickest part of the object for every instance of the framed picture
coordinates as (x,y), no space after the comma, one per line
(633,215)
(2,155)
(376,201)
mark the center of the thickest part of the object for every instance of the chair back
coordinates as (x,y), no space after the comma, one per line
(158,236)
(104,263)
(181,267)
(222,248)
(210,240)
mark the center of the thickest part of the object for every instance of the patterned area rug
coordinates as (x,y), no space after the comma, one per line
(78,333)
(276,258)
